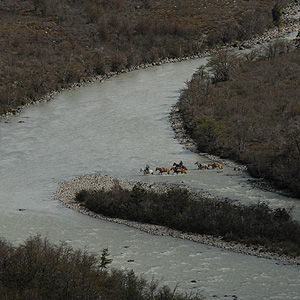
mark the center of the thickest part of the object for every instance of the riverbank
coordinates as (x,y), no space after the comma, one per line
(67,191)
(290,24)
(183,138)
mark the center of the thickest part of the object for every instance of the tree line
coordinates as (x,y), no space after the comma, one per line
(47,45)
(257,225)
(247,108)
(38,269)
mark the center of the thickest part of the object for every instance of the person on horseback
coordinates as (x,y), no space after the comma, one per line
(147,169)
(179,166)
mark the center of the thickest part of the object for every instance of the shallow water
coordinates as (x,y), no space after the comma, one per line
(115,128)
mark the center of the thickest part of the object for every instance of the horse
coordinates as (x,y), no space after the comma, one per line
(218,165)
(147,172)
(201,166)
(215,165)
(161,170)
(178,166)
(179,170)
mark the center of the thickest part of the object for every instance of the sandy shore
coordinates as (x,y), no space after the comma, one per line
(67,191)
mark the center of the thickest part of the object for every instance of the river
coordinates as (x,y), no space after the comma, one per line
(115,128)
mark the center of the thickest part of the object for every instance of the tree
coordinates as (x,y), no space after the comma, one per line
(222,65)
(207,132)
(276,14)
(104,261)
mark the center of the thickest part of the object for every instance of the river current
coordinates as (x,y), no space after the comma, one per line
(115,128)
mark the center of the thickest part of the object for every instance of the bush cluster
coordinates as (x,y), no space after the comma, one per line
(247,108)
(254,224)
(39,270)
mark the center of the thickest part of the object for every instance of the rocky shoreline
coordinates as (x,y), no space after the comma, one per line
(100,78)
(184,139)
(67,191)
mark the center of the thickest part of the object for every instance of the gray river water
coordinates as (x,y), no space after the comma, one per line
(115,128)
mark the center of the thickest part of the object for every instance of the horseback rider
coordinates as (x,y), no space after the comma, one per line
(179,166)
(147,169)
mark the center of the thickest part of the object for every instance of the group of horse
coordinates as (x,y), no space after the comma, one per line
(180,168)
(176,168)
(208,166)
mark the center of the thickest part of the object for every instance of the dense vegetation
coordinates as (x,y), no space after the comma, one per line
(248,108)
(46,45)
(39,270)
(257,224)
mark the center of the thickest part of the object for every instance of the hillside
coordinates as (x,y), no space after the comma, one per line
(46,45)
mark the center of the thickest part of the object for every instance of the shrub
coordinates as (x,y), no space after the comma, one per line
(38,269)
(276,14)
(248,109)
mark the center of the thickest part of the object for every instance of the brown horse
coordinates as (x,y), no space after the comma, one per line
(215,165)
(162,170)
(201,166)
(218,165)
(178,170)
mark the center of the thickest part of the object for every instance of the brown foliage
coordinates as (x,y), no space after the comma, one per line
(38,269)
(46,45)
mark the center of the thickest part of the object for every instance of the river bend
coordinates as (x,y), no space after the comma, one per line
(115,128)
